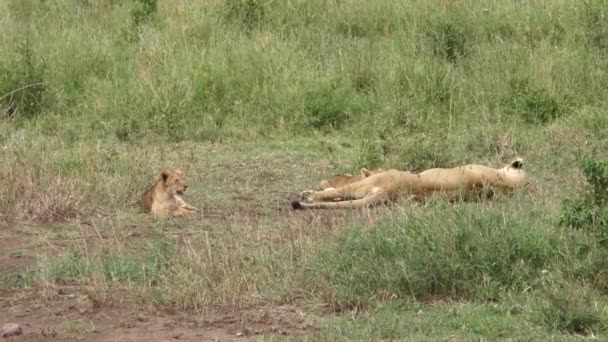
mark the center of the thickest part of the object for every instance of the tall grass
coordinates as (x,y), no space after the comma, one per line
(96,96)
(194,67)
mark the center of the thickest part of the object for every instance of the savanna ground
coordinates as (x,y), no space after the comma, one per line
(259,99)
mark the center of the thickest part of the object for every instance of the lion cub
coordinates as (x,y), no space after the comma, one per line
(164,197)
(338,181)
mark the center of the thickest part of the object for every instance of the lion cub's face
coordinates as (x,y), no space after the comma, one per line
(174,182)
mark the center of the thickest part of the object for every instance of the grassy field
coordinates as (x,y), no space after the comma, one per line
(259,99)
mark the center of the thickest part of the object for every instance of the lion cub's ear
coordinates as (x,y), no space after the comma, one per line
(165,176)
(365,172)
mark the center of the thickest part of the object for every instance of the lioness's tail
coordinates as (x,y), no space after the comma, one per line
(374,198)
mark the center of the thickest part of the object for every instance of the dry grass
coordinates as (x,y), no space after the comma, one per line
(47,182)
(34,193)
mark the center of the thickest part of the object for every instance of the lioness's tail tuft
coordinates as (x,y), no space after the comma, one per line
(296,205)
(295,202)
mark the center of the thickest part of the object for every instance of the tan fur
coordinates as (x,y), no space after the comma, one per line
(338,181)
(164,197)
(462,182)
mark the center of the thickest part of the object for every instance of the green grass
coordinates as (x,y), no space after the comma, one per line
(259,99)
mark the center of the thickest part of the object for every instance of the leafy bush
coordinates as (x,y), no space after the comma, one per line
(570,308)
(328,104)
(143,10)
(590,211)
(596,26)
(449,38)
(22,86)
(72,268)
(371,154)
(533,103)
(248,14)
(426,151)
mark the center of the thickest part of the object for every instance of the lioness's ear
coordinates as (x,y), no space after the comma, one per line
(365,172)
(517,163)
(165,176)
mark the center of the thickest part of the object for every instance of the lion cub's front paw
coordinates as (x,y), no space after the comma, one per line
(190,208)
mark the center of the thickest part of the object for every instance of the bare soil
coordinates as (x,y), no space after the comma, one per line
(66,319)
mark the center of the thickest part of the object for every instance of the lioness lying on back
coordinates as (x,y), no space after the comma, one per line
(164,197)
(459,182)
(341,180)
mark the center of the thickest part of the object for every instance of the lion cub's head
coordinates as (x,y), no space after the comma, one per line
(174,181)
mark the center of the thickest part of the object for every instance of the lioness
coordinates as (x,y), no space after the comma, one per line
(458,182)
(341,180)
(164,197)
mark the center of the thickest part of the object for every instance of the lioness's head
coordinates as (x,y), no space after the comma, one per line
(174,181)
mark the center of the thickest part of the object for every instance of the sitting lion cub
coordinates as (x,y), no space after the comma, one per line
(164,197)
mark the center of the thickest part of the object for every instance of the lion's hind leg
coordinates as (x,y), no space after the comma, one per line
(344,197)
(375,196)
(334,194)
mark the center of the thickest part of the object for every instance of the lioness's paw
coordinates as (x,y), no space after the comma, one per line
(305,195)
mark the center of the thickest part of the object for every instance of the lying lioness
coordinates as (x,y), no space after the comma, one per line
(460,182)
(164,197)
(338,181)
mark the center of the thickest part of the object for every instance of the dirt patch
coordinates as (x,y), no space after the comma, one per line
(68,319)
(13,255)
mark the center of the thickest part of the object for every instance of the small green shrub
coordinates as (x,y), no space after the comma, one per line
(247,14)
(596,26)
(22,84)
(121,268)
(371,154)
(590,211)
(362,74)
(533,103)
(571,309)
(126,129)
(17,279)
(350,28)
(498,30)
(24,10)
(449,38)
(424,151)
(142,11)
(170,122)
(328,104)
(72,268)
